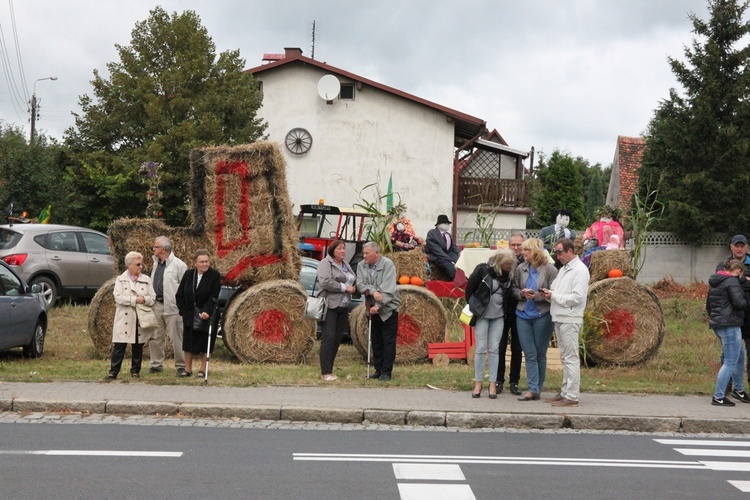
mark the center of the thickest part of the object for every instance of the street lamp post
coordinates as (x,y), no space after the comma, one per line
(34,106)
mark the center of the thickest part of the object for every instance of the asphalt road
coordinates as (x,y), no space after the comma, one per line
(125,461)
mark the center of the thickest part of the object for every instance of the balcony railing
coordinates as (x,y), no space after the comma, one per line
(508,193)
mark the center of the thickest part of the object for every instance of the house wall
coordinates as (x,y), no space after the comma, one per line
(360,142)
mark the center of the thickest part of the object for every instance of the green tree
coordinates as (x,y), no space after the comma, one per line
(594,195)
(168,93)
(559,186)
(698,142)
(29,173)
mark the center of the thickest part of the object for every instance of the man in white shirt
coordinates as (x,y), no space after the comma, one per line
(166,275)
(567,296)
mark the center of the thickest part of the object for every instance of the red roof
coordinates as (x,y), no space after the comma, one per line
(629,156)
(466,125)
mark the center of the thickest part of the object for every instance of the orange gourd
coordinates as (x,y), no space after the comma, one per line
(403,280)
(615,273)
(416,281)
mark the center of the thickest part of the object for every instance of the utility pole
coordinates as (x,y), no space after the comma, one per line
(35,106)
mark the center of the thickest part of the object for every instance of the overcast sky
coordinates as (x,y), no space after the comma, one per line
(567,74)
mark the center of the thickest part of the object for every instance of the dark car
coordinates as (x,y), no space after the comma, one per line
(23,314)
(67,261)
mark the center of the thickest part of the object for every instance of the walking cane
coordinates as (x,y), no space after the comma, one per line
(369,330)
(208,348)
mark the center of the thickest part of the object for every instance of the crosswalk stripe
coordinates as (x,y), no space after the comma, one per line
(433,472)
(418,491)
(728,466)
(700,442)
(713,453)
(743,486)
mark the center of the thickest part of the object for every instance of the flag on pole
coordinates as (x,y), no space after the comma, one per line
(45,215)
(389,195)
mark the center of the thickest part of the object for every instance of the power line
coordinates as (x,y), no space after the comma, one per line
(18,51)
(16,97)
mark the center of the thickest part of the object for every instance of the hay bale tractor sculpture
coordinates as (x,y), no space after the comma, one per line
(241,212)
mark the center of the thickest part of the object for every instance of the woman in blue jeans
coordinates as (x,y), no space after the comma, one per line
(486,292)
(725,305)
(533,320)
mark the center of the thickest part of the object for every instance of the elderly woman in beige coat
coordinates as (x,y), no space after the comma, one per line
(134,297)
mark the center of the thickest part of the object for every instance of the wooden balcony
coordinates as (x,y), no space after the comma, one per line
(503,193)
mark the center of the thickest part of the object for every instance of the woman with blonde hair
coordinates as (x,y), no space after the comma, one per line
(533,318)
(486,293)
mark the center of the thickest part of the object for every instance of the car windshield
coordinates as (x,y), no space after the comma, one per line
(8,238)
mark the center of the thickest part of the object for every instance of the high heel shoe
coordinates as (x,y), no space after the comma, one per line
(489,391)
(475,395)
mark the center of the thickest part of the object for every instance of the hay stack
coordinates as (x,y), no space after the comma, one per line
(266,323)
(438,274)
(409,263)
(102,318)
(623,322)
(602,261)
(137,235)
(241,202)
(421,320)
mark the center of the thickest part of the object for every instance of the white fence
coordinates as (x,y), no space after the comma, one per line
(665,255)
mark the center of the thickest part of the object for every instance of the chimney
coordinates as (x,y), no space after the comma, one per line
(290,52)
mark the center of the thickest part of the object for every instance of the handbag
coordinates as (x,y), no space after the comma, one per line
(467,317)
(316,308)
(199,324)
(146,316)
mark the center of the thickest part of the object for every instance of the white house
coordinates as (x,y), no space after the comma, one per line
(342,134)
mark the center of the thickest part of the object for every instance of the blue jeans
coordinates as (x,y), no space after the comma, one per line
(733,365)
(535,335)
(487,333)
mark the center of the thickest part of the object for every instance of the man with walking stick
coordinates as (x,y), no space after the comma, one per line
(376,279)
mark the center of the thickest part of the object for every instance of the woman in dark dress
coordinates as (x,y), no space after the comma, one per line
(199,289)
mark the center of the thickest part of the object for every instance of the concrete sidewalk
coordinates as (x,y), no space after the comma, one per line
(380,405)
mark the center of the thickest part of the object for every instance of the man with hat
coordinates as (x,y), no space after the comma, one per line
(738,248)
(440,248)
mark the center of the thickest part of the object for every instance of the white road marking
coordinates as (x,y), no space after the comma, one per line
(435,492)
(433,472)
(728,466)
(436,459)
(699,442)
(743,486)
(96,453)
(713,453)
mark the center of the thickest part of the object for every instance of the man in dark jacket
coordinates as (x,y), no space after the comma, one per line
(440,248)
(510,331)
(725,305)
(738,248)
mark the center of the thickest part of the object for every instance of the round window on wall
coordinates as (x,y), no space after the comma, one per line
(298,141)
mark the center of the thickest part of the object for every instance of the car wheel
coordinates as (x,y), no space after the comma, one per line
(49,290)
(36,346)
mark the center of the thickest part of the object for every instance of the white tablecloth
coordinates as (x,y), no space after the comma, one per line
(472,257)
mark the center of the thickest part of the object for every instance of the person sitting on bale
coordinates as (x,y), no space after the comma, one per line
(403,237)
(440,248)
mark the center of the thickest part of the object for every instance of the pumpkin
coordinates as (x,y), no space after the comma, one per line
(416,281)
(615,273)
(403,280)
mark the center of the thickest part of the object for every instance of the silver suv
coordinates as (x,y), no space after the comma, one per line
(66,261)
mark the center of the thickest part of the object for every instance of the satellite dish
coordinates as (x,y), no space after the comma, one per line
(329,88)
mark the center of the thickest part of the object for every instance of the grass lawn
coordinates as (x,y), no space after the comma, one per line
(687,362)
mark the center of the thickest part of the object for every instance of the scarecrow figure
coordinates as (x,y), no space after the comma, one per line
(603,229)
(402,235)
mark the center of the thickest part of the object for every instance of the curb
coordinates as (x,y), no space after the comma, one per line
(449,419)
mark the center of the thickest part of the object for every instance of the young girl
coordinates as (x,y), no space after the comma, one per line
(725,306)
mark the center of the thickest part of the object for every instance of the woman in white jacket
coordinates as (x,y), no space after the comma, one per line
(131,289)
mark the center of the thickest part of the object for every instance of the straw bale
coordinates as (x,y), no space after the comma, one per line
(602,261)
(421,320)
(101,319)
(409,263)
(438,274)
(240,199)
(578,244)
(266,323)
(623,322)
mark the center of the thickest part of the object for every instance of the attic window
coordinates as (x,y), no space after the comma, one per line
(347,91)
